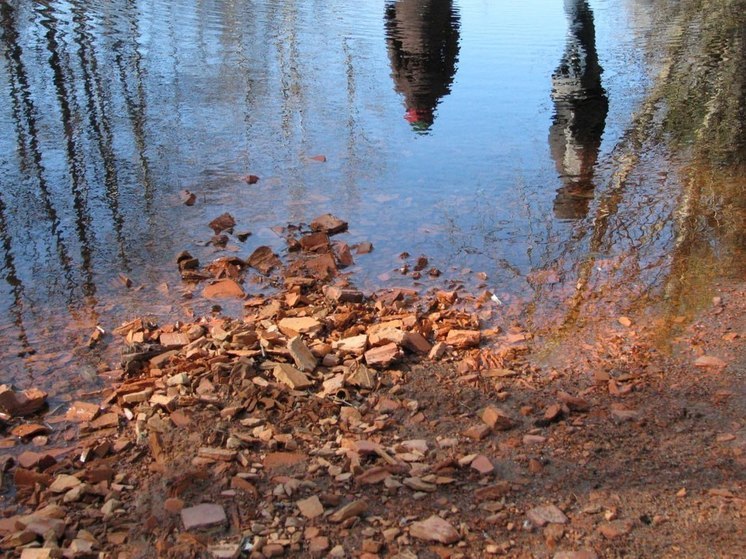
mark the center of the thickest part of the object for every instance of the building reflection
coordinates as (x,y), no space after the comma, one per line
(423,45)
(580,107)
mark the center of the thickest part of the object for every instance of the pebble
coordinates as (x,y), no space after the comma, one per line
(436,529)
(541,516)
(201,516)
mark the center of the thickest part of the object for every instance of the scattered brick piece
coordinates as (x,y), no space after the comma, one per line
(206,515)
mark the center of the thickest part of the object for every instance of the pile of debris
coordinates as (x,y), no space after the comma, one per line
(267,427)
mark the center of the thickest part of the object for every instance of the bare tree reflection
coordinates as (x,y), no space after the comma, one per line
(135,101)
(423,45)
(76,165)
(16,285)
(581,105)
(100,125)
(24,115)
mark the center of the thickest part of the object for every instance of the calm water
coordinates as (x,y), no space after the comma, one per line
(479,133)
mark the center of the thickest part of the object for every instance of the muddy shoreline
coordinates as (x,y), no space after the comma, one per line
(329,422)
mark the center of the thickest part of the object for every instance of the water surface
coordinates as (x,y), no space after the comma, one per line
(483,134)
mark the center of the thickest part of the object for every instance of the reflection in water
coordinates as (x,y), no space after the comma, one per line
(423,45)
(108,110)
(669,221)
(76,166)
(580,112)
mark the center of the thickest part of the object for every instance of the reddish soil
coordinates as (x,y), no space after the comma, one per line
(621,448)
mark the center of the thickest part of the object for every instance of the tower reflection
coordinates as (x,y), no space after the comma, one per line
(423,44)
(580,107)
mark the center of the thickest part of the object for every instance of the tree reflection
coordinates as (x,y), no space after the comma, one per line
(76,166)
(423,46)
(27,132)
(580,105)
(670,220)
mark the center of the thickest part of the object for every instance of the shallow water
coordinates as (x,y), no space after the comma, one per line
(478,133)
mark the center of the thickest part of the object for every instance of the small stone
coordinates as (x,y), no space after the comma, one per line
(497,418)
(373,475)
(201,516)
(28,478)
(438,351)
(315,242)
(106,421)
(342,295)
(541,516)
(137,397)
(624,321)
(344,254)
(553,413)
(360,376)
(573,402)
(355,508)
(435,529)
(16,539)
(82,411)
(174,339)
(179,379)
(354,344)
(223,289)
(382,356)
(28,430)
(299,325)
(383,336)
(365,447)
(63,483)
(19,404)
(76,493)
(187,198)
(304,359)
(31,460)
(264,260)
(478,432)
(416,342)
(418,484)
(463,339)
(615,529)
(311,507)
(328,224)
(292,377)
(223,222)
(80,546)
(217,454)
(283,459)
(110,506)
(483,465)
